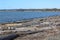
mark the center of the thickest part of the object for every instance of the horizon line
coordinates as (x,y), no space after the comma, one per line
(29,8)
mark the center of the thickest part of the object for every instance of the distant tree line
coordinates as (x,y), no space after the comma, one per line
(54,9)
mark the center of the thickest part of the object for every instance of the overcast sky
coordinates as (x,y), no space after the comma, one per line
(16,4)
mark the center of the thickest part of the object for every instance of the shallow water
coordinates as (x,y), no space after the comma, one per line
(15,16)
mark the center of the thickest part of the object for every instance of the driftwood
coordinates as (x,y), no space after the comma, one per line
(9,37)
(13,36)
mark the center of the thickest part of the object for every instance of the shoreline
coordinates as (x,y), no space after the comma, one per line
(30,19)
(29,11)
(22,22)
(23,10)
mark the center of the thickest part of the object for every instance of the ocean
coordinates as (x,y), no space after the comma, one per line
(16,16)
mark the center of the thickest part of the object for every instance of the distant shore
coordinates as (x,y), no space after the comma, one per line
(31,10)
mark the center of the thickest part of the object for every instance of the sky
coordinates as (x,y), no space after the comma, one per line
(29,4)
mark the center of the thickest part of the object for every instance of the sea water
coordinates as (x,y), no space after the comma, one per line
(16,16)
